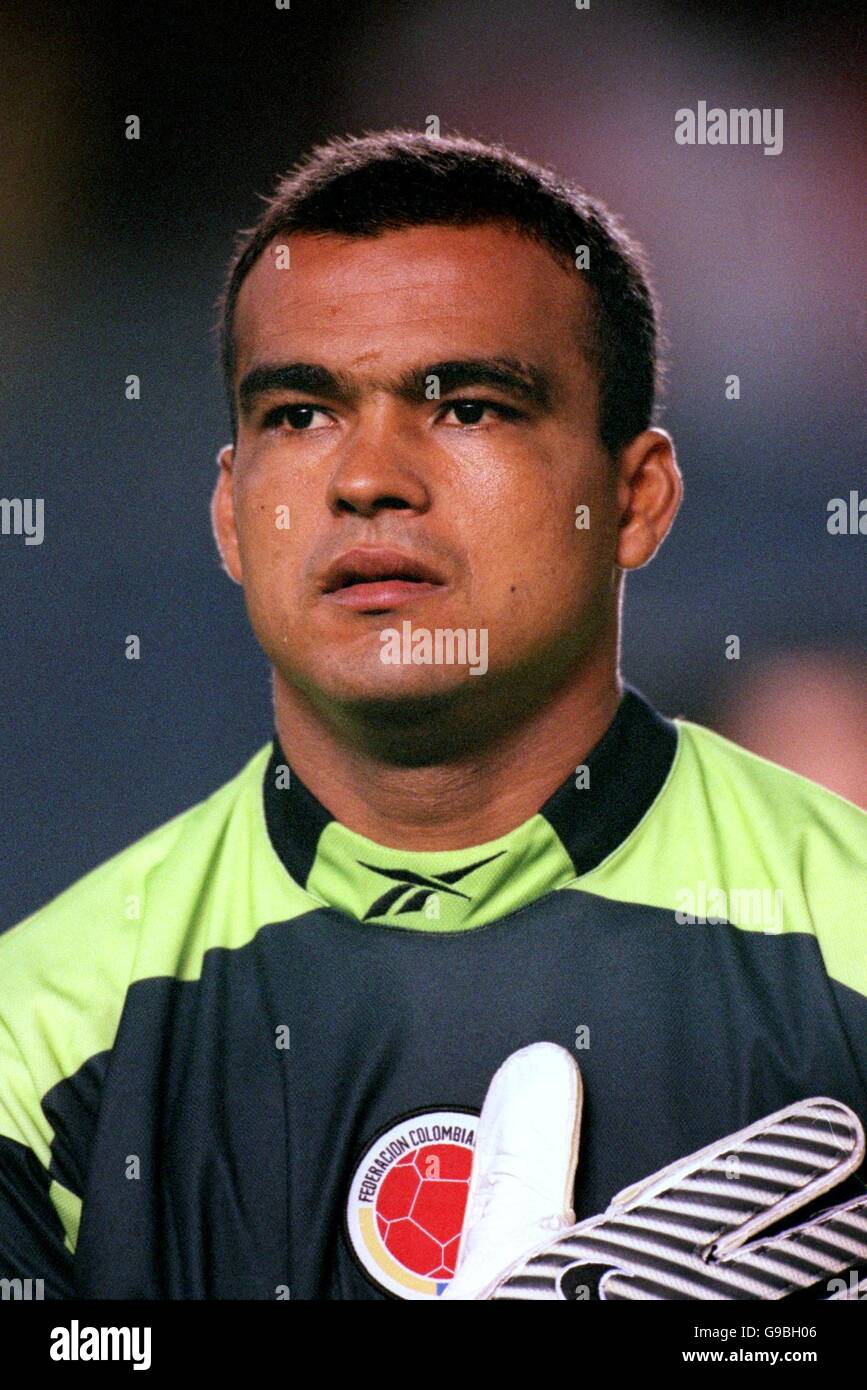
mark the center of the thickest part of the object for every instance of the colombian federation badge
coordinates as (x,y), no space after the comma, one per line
(407,1199)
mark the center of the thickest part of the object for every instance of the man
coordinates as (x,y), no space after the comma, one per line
(245,1057)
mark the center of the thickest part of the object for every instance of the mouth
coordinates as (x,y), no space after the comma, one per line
(376,580)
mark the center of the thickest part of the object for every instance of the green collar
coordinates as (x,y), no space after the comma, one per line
(579,825)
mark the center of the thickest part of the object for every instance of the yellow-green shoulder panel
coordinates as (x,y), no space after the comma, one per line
(208,877)
(732,836)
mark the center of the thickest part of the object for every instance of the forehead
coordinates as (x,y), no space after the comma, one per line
(418,294)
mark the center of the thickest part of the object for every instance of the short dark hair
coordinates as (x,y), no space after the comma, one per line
(390,180)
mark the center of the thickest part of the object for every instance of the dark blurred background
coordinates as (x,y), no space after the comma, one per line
(113,253)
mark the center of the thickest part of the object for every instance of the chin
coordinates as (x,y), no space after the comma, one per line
(408,689)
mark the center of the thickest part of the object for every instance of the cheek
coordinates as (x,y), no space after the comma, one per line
(268,532)
(540,571)
(541,526)
(269,517)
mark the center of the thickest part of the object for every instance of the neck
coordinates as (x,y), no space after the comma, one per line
(486,785)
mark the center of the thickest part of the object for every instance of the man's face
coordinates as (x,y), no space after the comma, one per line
(355,450)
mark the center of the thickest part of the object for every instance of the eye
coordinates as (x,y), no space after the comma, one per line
(296,416)
(471,412)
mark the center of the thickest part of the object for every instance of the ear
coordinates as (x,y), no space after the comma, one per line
(649,492)
(223,515)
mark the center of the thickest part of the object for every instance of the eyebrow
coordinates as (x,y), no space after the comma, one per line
(520,379)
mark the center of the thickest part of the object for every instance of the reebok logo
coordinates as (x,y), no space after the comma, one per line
(412,890)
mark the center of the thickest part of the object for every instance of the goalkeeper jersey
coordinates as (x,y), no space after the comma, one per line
(245,1057)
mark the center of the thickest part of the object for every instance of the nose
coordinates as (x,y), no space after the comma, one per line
(379,469)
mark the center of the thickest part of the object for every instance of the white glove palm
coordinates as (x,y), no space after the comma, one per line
(524,1164)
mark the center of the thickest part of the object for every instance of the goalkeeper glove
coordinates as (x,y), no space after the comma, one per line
(686,1232)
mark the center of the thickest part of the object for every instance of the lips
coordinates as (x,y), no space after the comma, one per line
(369,578)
